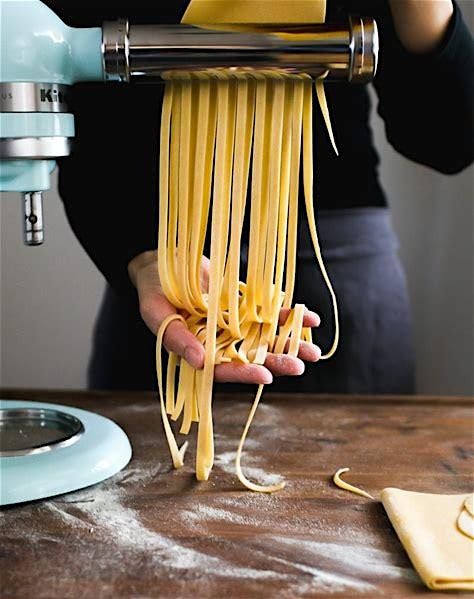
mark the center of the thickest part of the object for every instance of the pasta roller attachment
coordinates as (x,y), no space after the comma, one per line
(346,52)
(42,57)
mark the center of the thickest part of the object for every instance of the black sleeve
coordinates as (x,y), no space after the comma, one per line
(109,183)
(427,100)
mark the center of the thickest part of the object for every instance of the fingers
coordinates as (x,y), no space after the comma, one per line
(204,274)
(309,352)
(232,372)
(181,341)
(310,318)
(283,365)
(154,308)
(275,365)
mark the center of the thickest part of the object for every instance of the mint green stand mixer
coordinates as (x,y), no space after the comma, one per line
(41,58)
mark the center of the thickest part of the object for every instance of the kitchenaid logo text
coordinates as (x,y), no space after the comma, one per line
(52,96)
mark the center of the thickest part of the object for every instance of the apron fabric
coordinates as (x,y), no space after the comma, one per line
(375,354)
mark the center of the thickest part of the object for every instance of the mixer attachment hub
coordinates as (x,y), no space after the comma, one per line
(33,213)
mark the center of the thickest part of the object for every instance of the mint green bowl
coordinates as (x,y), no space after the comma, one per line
(50,449)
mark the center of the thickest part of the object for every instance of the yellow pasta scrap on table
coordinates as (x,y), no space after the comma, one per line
(342,484)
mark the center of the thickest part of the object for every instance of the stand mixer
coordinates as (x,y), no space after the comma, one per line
(41,58)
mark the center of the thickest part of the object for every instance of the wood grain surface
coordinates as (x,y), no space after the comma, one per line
(151,531)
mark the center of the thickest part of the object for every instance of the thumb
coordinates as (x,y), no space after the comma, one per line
(154,308)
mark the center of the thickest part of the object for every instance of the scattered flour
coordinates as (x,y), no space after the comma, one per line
(226,462)
(202,513)
(323,581)
(102,510)
(150,406)
(137,475)
(232,442)
(122,526)
(361,559)
(327,566)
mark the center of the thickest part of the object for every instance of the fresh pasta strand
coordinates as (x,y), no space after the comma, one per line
(321,95)
(348,487)
(223,132)
(308,196)
(243,479)
(176,454)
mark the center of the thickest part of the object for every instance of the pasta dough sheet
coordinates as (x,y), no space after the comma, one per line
(255,11)
(427,527)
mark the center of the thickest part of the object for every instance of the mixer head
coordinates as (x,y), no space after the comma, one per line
(41,58)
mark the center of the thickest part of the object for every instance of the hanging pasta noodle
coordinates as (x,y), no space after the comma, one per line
(221,129)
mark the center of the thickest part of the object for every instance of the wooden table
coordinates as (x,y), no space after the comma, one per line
(151,531)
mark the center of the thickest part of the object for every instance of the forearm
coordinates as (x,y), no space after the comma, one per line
(421,24)
(426,98)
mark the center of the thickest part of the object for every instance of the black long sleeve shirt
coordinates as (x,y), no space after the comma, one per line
(109,183)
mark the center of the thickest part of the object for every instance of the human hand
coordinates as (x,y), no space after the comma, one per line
(154,308)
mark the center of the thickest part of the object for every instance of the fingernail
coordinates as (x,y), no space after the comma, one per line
(315,316)
(193,356)
(267,378)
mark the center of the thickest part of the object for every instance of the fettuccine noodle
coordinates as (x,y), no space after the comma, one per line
(227,135)
(342,484)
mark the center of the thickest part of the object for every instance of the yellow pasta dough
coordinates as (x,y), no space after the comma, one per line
(437,532)
(255,11)
(427,527)
(465,523)
(466,517)
(227,135)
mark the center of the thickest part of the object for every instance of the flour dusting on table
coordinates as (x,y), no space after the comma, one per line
(121,526)
(226,462)
(170,527)
(104,511)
